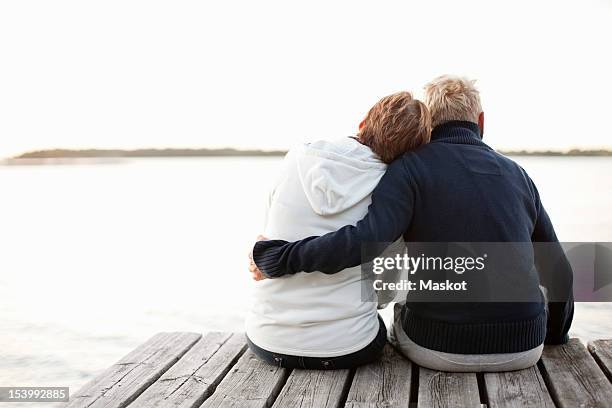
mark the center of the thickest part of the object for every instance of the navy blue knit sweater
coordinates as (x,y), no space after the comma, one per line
(454,189)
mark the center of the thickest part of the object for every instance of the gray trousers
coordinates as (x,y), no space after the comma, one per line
(437,360)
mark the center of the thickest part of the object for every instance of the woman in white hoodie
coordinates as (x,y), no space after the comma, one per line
(314,320)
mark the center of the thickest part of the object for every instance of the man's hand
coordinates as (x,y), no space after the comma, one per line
(255,272)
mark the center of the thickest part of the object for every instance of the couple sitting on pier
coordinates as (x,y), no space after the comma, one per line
(418,171)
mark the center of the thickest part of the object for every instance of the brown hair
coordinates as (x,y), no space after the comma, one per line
(396,124)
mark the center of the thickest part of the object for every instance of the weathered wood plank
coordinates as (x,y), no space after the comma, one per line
(129,377)
(524,388)
(602,352)
(194,377)
(250,383)
(573,377)
(440,389)
(313,388)
(385,383)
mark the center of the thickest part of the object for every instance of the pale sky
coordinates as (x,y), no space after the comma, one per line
(270,74)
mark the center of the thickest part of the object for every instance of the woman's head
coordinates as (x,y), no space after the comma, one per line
(394,125)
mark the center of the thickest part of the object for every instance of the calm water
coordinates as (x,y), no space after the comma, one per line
(96,258)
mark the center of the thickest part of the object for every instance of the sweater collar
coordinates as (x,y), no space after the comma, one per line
(457,132)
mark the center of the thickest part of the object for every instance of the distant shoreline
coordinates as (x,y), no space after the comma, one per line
(553,153)
(119,153)
(230,152)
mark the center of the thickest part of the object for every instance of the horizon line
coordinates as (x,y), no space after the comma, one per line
(232,151)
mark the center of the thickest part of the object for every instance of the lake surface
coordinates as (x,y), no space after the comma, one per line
(96,258)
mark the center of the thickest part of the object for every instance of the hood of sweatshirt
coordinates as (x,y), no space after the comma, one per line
(336,175)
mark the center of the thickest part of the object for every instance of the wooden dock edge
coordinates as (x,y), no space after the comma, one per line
(217,370)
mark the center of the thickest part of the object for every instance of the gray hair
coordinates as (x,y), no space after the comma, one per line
(452,98)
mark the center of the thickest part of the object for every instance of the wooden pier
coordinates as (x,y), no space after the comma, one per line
(217,370)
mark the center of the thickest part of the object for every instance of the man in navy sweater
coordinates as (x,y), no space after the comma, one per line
(454,189)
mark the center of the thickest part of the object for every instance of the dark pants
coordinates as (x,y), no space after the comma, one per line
(366,355)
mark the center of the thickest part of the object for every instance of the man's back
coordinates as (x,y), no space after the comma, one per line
(467,192)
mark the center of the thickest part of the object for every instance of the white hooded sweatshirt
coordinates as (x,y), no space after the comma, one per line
(322,187)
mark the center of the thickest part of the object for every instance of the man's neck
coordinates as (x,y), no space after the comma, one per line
(457,131)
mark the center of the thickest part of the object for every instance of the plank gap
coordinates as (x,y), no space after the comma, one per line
(279,387)
(138,392)
(383,383)
(575,377)
(548,383)
(600,351)
(250,383)
(215,384)
(123,382)
(313,389)
(346,388)
(482,389)
(197,374)
(600,364)
(414,386)
(603,367)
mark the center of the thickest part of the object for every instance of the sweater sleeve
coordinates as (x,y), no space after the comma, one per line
(556,275)
(388,217)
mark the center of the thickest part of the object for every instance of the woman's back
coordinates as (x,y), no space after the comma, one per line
(322,187)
